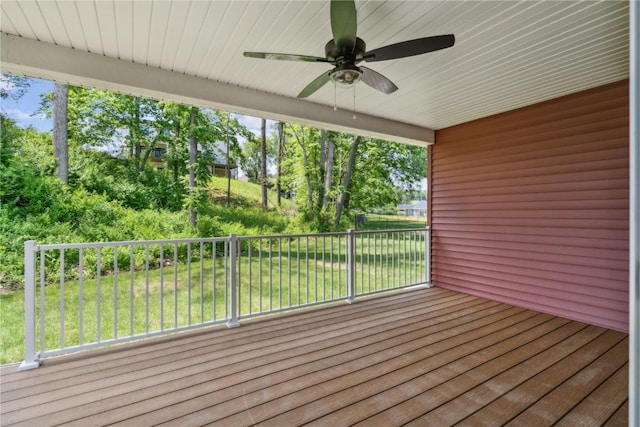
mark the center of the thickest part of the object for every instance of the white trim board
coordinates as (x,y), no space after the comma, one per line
(38,59)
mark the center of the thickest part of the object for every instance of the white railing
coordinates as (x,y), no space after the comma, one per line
(85,295)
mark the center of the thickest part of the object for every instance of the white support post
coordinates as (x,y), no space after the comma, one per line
(427,258)
(233,279)
(351,267)
(30,358)
(634,229)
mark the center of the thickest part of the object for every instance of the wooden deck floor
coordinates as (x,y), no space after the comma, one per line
(424,357)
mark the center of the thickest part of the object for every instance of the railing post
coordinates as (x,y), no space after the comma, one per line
(427,258)
(30,358)
(233,278)
(351,266)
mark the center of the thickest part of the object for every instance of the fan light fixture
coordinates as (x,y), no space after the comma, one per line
(346,77)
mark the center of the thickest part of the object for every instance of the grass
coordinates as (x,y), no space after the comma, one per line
(246,194)
(272,275)
(392,222)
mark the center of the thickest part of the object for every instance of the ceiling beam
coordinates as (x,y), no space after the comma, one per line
(43,60)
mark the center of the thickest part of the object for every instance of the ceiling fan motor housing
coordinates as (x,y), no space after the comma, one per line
(353,55)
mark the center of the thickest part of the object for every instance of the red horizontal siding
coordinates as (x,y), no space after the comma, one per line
(531,207)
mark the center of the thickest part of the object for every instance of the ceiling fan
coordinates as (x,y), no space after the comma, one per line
(345,51)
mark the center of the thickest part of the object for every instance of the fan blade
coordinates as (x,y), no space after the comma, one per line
(285,57)
(377,81)
(410,48)
(315,85)
(344,24)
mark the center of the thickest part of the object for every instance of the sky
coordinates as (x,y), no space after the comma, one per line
(23,111)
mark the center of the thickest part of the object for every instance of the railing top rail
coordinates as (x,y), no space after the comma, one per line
(129,243)
(289,236)
(49,246)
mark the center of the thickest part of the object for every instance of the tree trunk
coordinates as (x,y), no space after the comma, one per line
(193,153)
(60,130)
(263,165)
(347,179)
(135,133)
(280,152)
(322,165)
(328,174)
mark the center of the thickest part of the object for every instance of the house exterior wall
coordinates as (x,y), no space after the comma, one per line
(531,207)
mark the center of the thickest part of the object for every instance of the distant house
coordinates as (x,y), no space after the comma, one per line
(218,164)
(414,209)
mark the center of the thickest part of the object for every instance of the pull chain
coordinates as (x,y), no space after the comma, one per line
(354,102)
(335,96)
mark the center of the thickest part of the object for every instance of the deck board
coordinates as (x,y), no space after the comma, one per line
(427,357)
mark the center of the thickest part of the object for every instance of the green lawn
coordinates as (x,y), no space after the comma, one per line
(272,275)
(392,222)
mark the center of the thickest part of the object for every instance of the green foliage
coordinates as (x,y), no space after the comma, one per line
(115,194)
(106,200)
(381,169)
(13,86)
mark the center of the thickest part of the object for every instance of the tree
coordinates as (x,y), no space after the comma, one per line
(193,153)
(342,200)
(279,161)
(13,86)
(303,136)
(60,133)
(327,169)
(263,164)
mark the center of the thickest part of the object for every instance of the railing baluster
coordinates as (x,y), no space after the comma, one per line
(42,298)
(331,265)
(131,270)
(375,264)
(62,298)
(213,269)
(233,249)
(270,275)
(175,285)
(413,257)
(162,287)
(260,272)
(80,298)
(201,282)
(189,283)
(381,262)
(249,280)
(298,266)
(280,272)
(307,271)
(146,288)
(351,266)
(324,283)
(289,267)
(115,292)
(340,269)
(239,271)
(427,257)
(368,262)
(362,263)
(226,279)
(98,293)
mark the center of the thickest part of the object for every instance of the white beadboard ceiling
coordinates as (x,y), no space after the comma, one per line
(508,54)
